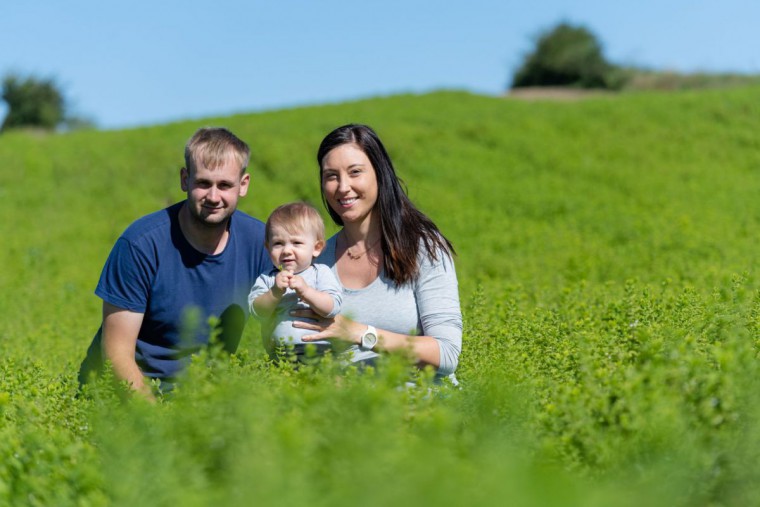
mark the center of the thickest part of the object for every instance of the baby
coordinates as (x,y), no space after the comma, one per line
(295,236)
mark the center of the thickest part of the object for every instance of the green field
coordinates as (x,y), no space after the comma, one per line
(610,291)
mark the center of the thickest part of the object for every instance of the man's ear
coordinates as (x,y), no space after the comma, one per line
(245,182)
(183,177)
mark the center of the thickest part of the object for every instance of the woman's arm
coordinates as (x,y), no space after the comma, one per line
(437,297)
(424,348)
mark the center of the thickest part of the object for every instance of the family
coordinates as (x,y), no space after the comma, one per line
(386,281)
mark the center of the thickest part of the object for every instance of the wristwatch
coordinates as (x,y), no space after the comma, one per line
(368,339)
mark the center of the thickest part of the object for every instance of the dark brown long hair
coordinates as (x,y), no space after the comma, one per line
(403,227)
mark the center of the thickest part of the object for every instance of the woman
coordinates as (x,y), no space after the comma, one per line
(394,265)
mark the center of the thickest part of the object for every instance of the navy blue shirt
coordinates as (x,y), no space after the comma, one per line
(153,270)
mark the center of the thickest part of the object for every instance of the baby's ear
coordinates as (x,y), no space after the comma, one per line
(318,247)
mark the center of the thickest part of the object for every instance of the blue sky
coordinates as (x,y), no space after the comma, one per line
(145,62)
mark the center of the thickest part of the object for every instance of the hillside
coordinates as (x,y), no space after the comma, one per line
(608,275)
(639,186)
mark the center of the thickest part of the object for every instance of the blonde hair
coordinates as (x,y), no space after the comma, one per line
(212,147)
(296,217)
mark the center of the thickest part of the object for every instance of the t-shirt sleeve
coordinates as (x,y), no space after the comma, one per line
(328,282)
(126,278)
(437,295)
(262,284)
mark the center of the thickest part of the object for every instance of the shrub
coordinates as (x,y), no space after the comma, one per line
(567,56)
(32,102)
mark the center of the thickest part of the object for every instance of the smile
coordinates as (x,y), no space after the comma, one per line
(347,202)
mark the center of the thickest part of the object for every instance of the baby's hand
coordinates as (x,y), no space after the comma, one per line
(298,284)
(282,282)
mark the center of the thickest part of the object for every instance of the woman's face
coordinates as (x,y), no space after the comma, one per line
(349,183)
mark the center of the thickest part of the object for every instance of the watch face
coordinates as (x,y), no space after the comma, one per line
(369,340)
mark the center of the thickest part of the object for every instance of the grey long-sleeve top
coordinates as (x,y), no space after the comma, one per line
(428,306)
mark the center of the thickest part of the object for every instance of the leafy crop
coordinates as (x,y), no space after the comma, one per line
(608,275)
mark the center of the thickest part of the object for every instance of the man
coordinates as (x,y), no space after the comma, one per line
(172,270)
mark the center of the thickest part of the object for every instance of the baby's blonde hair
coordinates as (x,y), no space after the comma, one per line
(296,217)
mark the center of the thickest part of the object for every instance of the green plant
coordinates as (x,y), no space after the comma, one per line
(567,55)
(32,102)
(610,293)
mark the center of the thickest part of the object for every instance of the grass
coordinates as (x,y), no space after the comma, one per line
(608,275)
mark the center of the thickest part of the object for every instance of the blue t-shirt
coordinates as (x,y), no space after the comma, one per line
(153,270)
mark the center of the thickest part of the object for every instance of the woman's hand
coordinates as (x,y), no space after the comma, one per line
(338,328)
(424,348)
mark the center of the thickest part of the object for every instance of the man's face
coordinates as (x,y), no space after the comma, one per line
(212,194)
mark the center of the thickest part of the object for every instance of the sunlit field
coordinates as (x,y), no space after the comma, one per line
(608,268)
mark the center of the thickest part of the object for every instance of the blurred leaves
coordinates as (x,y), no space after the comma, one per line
(38,102)
(568,55)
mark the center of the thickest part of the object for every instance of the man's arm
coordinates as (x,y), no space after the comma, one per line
(120,330)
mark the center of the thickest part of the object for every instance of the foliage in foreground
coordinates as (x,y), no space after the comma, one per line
(648,397)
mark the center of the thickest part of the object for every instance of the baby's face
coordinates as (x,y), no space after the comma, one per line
(293,251)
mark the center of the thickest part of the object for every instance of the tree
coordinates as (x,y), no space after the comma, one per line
(32,102)
(567,56)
